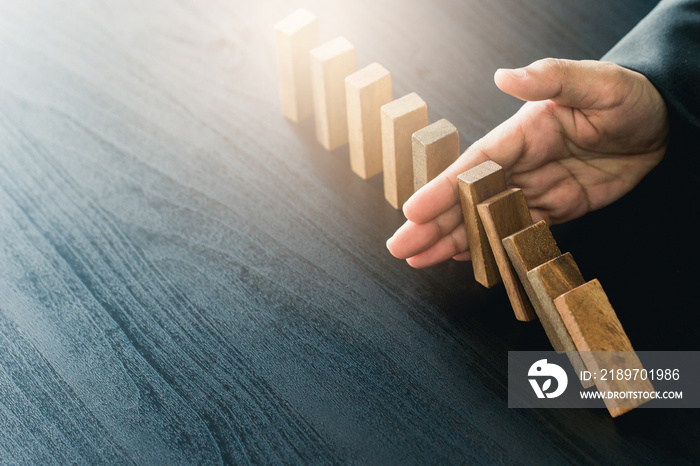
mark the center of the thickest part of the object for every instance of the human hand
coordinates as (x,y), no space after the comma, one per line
(589,132)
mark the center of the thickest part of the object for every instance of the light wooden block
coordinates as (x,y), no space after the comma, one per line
(502,215)
(296,35)
(366,91)
(435,147)
(331,63)
(400,119)
(475,186)
(596,331)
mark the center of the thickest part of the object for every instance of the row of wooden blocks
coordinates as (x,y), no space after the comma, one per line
(357,108)
(506,245)
(393,137)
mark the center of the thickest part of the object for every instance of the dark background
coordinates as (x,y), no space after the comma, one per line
(186,277)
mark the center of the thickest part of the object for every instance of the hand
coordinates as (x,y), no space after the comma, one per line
(588,134)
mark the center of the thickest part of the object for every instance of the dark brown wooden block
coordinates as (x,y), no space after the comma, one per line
(476,185)
(602,343)
(503,215)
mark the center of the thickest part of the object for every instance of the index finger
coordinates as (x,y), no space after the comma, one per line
(504,144)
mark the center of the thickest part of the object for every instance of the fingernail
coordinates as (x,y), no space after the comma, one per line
(388,241)
(518,73)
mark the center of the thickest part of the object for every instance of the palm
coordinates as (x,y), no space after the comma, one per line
(577,160)
(568,159)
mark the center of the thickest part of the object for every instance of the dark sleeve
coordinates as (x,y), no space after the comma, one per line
(665,47)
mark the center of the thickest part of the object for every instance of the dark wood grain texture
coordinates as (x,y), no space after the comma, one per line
(187,277)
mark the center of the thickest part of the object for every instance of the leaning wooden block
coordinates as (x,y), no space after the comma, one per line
(400,119)
(475,186)
(366,91)
(331,63)
(435,147)
(296,35)
(527,249)
(547,282)
(602,343)
(502,215)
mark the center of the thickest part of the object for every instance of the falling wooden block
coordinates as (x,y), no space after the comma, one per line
(331,63)
(502,215)
(527,249)
(545,275)
(549,281)
(400,119)
(435,147)
(602,343)
(296,35)
(475,186)
(366,91)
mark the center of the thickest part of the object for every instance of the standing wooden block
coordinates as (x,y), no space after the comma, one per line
(296,35)
(503,215)
(475,186)
(597,331)
(435,147)
(366,91)
(331,63)
(400,119)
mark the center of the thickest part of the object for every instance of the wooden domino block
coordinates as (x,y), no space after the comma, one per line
(475,186)
(331,63)
(400,119)
(545,275)
(596,331)
(549,281)
(366,91)
(502,215)
(296,35)
(527,249)
(435,147)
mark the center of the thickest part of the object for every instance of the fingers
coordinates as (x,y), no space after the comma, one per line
(503,145)
(435,209)
(465,256)
(455,243)
(434,198)
(583,84)
(413,238)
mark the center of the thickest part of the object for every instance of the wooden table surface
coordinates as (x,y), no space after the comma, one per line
(186,277)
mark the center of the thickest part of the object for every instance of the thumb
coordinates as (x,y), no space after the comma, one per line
(586,84)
